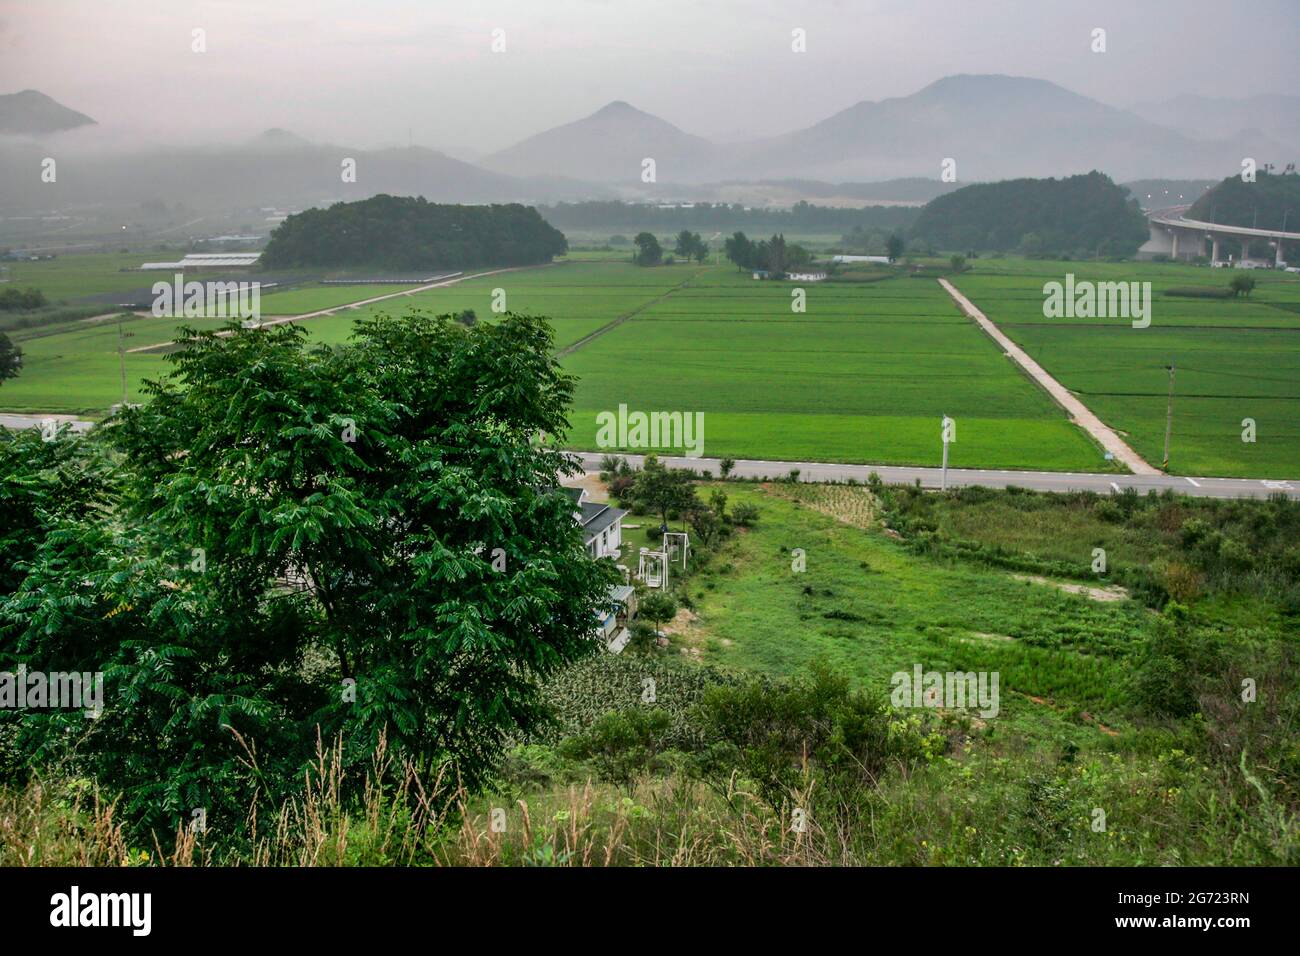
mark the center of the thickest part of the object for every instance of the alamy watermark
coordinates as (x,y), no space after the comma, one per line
(1098,300)
(955,690)
(662,430)
(196,300)
(57,690)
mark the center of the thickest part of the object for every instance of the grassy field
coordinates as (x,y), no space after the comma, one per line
(1234,359)
(870,607)
(72,277)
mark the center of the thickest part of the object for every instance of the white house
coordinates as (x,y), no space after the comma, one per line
(602,524)
(881,259)
(602,531)
(807,274)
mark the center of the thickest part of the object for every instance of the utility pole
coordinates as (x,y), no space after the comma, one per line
(1169,415)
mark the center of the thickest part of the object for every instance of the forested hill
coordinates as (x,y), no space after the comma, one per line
(399,232)
(1263,204)
(1085,214)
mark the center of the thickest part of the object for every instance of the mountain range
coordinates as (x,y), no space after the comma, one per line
(993,127)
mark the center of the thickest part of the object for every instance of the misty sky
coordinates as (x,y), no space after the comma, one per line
(372,72)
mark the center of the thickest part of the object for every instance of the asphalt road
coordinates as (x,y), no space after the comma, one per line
(959,477)
(906,474)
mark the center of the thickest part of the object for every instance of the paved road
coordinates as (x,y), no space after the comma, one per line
(1080,414)
(907,474)
(34,421)
(957,477)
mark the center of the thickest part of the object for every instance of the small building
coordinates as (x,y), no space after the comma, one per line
(883,260)
(760,273)
(601,523)
(806,274)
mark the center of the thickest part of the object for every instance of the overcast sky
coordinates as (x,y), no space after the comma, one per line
(373,72)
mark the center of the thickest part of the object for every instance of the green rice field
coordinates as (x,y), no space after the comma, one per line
(863,374)
(1234,359)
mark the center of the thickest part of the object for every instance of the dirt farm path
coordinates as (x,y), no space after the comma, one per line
(1079,413)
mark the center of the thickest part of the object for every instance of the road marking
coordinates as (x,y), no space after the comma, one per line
(1277,485)
(1193,481)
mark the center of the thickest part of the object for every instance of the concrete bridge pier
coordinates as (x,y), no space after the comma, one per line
(1214,245)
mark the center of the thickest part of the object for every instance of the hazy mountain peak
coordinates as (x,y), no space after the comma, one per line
(279,138)
(607,146)
(31,112)
(618,106)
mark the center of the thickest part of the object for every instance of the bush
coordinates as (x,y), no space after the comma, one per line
(744,515)
(783,735)
(622,744)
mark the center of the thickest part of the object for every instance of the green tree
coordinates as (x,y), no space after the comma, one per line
(658,607)
(648,251)
(1242,285)
(740,250)
(663,490)
(776,255)
(11,358)
(306,542)
(894,246)
(706,524)
(690,246)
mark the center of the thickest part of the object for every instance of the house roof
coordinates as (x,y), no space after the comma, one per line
(596,516)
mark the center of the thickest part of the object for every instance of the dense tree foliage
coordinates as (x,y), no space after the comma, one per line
(21,300)
(662,490)
(690,245)
(1083,215)
(410,233)
(648,251)
(774,255)
(11,358)
(287,542)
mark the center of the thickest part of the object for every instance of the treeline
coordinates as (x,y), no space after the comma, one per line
(401,232)
(1086,215)
(803,217)
(21,300)
(774,255)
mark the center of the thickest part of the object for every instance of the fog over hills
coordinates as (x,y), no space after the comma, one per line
(1272,115)
(994,127)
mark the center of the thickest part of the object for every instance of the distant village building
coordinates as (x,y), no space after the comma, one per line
(884,260)
(802,274)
